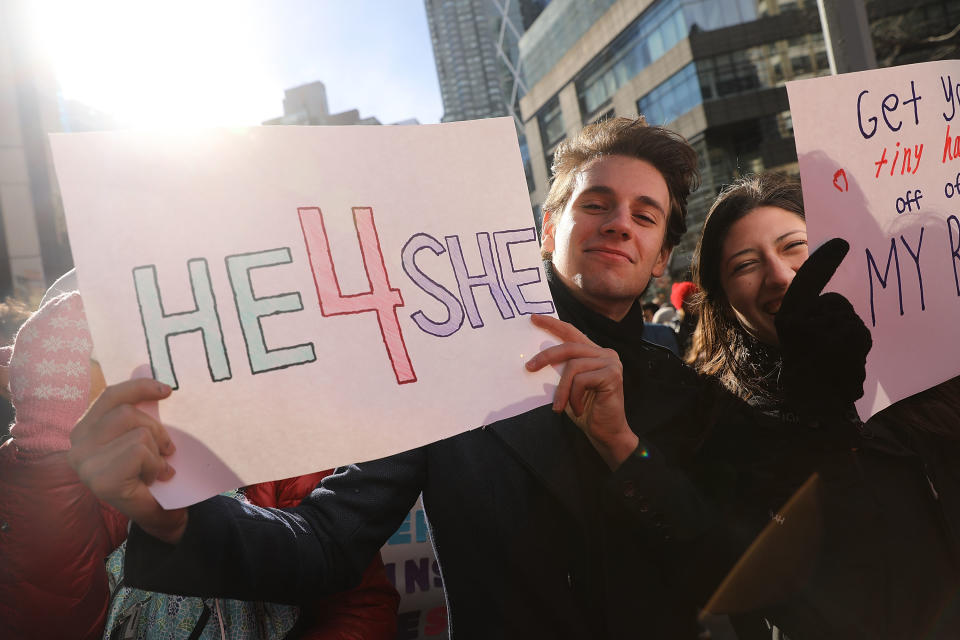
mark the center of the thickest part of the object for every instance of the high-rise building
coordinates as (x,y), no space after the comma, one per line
(34,248)
(510,19)
(713,70)
(462,34)
(476,48)
(307,104)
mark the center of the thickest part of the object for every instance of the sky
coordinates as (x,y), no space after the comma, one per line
(176,63)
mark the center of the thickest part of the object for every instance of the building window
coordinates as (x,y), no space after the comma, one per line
(551,123)
(548,157)
(606,115)
(651,36)
(646,40)
(785,124)
(760,67)
(672,98)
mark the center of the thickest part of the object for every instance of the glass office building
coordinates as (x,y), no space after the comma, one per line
(713,70)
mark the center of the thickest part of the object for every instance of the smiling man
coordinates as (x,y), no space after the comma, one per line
(616,208)
(562,522)
(610,238)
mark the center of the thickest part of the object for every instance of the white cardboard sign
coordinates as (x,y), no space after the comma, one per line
(316,295)
(880,164)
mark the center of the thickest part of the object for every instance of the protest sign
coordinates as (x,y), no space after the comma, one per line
(879,159)
(412,568)
(316,296)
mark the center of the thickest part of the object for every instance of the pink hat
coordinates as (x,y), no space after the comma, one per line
(50,375)
(680,292)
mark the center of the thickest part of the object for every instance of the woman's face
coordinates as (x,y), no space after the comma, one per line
(760,256)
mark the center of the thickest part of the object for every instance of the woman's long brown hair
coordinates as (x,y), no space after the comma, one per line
(721,347)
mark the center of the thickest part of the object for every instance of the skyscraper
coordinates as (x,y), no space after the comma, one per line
(461,32)
(475,45)
(476,48)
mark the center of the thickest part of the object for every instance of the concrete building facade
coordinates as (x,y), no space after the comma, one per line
(34,248)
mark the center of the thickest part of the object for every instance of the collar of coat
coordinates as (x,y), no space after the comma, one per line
(623,336)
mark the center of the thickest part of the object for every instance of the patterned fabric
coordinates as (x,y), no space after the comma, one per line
(50,375)
(159,616)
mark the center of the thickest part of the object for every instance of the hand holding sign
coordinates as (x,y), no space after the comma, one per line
(119,451)
(317,267)
(590,390)
(823,341)
(878,162)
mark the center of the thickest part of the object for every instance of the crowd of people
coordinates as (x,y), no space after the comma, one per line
(671,323)
(676,436)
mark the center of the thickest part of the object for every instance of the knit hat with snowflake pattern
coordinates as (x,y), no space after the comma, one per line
(50,375)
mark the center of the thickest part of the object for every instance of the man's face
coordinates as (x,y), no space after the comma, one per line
(609,239)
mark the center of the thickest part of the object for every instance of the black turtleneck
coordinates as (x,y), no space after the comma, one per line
(651,378)
(623,336)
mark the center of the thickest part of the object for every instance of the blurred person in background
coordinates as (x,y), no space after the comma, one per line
(666,315)
(55,535)
(662,335)
(681,295)
(649,308)
(13,314)
(658,333)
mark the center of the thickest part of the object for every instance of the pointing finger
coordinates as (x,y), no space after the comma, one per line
(814,274)
(563,330)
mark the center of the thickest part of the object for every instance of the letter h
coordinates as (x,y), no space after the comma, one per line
(159,326)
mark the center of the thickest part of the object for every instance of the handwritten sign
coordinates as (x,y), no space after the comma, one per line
(315,295)
(880,164)
(411,565)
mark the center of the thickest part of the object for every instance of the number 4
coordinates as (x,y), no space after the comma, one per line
(380,298)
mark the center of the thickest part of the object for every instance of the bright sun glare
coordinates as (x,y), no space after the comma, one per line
(159,64)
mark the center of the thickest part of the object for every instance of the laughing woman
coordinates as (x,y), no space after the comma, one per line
(884,567)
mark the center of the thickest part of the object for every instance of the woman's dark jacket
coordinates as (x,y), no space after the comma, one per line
(885,555)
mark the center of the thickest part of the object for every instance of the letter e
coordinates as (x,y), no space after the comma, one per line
(251,308)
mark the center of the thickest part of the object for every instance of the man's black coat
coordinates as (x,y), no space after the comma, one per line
(535,537)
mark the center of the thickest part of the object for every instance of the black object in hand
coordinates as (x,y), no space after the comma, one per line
(824,343)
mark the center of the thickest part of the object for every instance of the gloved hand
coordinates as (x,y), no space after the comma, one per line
(824,343)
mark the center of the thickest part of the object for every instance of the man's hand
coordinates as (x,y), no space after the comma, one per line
(823,341)
(590,389)
(118,451)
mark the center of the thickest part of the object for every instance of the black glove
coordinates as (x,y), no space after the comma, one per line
(824,343)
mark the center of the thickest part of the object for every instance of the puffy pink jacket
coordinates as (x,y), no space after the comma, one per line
(54,536)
